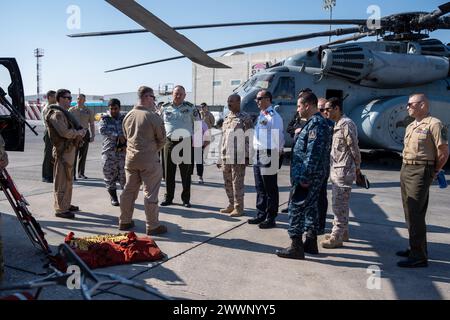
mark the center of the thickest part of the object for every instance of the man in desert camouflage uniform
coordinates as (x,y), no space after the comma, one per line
(113,149)
(235,155)
(3,164)
(345,166)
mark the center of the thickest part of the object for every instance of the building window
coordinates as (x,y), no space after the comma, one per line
(217,83)
(236,82)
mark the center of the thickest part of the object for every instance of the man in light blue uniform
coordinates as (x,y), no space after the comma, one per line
(268,146)
(179,118)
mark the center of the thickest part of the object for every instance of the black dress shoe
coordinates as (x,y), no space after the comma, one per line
(47,180)
(295,251)
(74,208)
(285,210)
(187,205)
(166,203)
(256,220)
(403,253)
(268,224)
(66,215)
(413,263)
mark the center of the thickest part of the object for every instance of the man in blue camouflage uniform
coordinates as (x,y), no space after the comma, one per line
(113,150)
(309,168)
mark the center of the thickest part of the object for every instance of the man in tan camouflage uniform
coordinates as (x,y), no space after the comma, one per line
(345,166)
(235,155)
(3,164)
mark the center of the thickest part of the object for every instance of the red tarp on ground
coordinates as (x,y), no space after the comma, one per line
(108,253)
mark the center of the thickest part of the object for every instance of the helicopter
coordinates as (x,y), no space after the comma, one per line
(12,100)
(373,78)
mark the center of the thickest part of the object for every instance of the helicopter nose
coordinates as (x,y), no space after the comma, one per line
(248,103)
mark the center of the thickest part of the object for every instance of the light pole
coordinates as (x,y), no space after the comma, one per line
(328,5)
(38,53)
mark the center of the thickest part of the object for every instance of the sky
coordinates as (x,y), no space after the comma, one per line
(79,64)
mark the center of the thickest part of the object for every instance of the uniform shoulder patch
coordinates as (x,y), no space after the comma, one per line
(312,135)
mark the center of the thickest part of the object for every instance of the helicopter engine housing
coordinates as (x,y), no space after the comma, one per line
(378,69)
(382,122)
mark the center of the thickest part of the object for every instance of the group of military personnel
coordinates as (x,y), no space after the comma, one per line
(325,146)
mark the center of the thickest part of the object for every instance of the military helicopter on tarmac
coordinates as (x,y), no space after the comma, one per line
(374,78)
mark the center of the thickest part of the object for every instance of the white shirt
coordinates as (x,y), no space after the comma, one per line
(269,131)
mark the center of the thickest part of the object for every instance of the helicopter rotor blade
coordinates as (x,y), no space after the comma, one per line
(443,23)
(223,25)
(354,37)
(432,16)
(336,32)
(164,32)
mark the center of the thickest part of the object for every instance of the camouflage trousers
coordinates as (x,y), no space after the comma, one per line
(114,169)
(340,203)
(233,175)
(304,209)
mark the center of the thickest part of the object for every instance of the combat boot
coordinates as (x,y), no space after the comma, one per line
(228,209)
(114,199)
(237,212)
(345,236)
(310,245)
(331,243)
(295,251)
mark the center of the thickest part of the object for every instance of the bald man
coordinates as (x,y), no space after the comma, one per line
(424,155)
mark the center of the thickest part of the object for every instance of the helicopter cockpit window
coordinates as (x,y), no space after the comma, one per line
(262,81)
(285,89)
(5,82)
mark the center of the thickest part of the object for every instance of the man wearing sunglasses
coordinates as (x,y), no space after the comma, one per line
(144,132)
(424,155)
(66,134)
(345,167)
(268,144)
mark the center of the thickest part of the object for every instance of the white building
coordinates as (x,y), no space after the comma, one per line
(213,86)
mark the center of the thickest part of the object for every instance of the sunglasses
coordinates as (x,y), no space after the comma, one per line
(261,98)
(410,104)
(67,97)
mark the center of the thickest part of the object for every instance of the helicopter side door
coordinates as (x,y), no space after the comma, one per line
(285,100)
(13,132)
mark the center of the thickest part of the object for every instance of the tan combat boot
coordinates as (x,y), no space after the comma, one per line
(237,212)
(345,237)
(331,243)
(229,209)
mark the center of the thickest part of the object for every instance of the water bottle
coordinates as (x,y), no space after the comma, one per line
(441,179)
